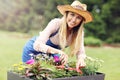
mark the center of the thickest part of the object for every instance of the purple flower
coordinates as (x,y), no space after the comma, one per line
(31,61)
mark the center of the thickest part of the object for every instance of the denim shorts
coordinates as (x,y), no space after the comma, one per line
(28,49)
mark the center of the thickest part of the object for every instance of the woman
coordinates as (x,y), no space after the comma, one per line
(60,33)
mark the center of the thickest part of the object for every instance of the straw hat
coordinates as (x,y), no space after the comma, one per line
(78,8)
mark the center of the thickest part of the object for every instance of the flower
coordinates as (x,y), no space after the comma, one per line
(92,65)
(40,67)
(31,61)
(56,58)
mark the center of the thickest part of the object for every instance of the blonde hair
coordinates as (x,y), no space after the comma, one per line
(76,37)
(63,33)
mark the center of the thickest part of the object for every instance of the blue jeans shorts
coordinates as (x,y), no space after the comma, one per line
(28,49)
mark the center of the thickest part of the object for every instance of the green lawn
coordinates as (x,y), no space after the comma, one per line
(11,45)
(111,57)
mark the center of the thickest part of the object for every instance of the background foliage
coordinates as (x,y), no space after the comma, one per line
(33,15)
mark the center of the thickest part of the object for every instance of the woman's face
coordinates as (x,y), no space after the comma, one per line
(73,19)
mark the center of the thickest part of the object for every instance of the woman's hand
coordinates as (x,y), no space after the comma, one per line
(80,63)
(63,57)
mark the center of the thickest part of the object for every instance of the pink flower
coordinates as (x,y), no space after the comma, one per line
(56,58)
(31,61)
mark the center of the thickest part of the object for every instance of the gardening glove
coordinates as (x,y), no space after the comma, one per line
(63,57)
(80,63)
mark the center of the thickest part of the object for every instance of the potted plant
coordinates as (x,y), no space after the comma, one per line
(39,68)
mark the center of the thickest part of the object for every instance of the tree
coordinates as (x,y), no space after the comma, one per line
(51,9)
(111,16)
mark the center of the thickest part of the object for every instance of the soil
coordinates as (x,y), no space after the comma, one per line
(112,45)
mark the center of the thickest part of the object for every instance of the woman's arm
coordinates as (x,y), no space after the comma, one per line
(81,54)
(40,43)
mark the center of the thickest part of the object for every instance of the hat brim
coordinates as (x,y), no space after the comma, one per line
(85,14)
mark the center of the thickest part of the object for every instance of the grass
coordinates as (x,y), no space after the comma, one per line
(11,45)
(10,50)
(111,57)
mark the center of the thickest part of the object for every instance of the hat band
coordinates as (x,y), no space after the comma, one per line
(78,7)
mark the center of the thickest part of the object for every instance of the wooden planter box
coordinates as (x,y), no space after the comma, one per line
(99,76)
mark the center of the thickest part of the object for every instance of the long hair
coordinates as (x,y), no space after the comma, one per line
(63,32)
(77,36)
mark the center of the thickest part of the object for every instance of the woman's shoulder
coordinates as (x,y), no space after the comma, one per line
(57,20)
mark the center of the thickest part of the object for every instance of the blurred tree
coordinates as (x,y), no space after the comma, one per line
(27,15)
(97,27)
(106,24)
(111,16)
(21,15)
(51,9)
